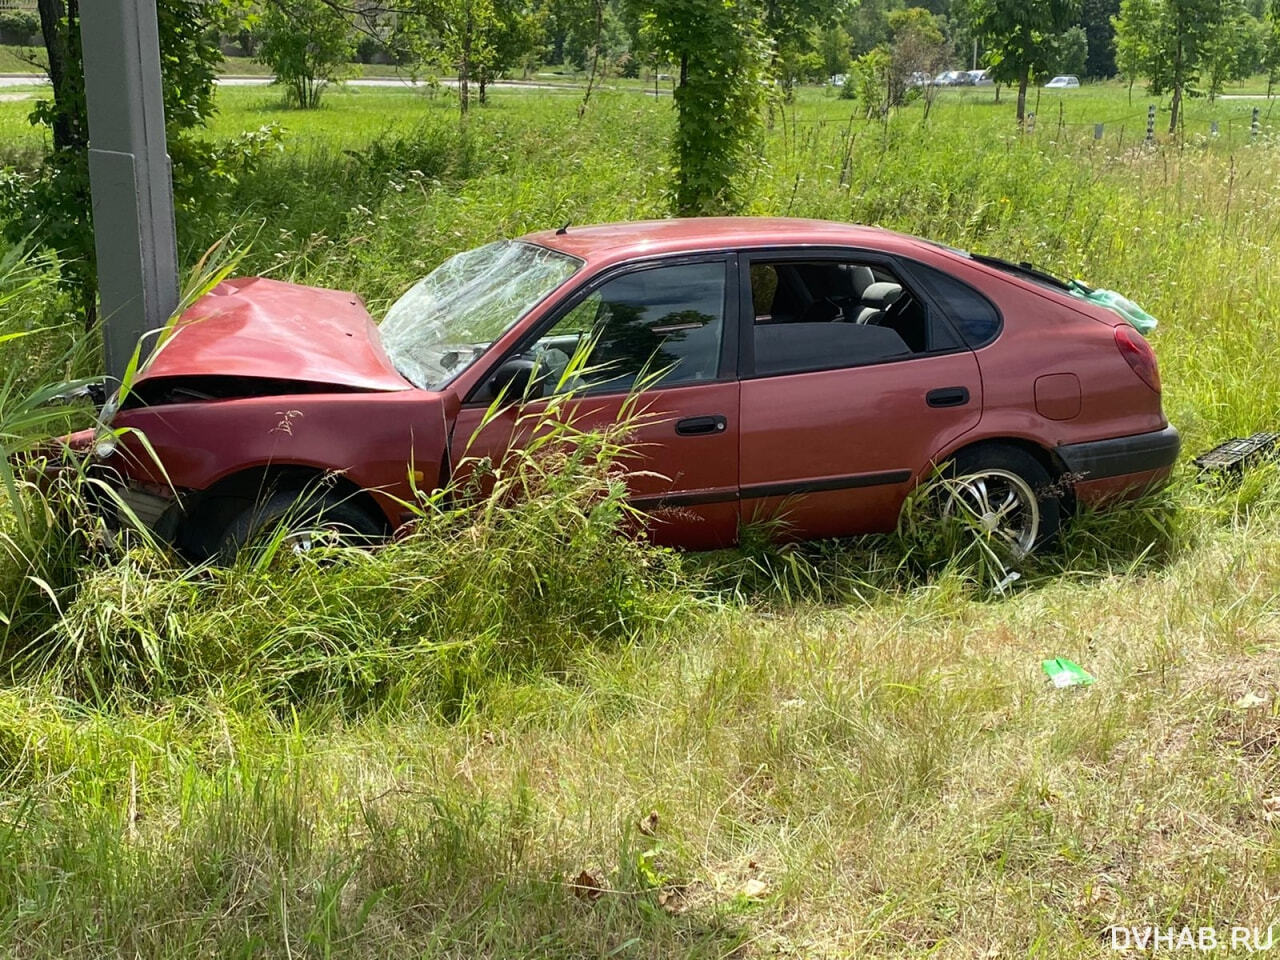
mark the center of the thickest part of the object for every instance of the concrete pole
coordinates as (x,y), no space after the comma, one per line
(129,175)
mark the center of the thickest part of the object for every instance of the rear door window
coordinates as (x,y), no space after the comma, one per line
(823,314)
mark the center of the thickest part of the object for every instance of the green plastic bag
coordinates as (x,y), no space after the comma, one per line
(1066,673)
(1138,318)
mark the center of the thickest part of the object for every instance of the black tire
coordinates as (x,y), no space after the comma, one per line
(298,510)
(1002,457)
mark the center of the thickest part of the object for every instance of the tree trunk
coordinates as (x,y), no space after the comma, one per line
(60,29)
(1178,78)
(484,88)
(1022,96)
(464,67)
(595,59)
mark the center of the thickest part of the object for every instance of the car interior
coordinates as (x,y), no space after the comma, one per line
(820,314)
(665,321)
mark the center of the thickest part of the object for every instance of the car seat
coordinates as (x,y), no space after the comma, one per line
(876,299)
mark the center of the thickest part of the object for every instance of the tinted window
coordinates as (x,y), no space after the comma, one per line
(665,322)
(823,314)
(970,312)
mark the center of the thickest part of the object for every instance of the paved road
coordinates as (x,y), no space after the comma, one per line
(27,80)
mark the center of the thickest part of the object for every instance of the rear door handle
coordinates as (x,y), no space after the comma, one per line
(947,397)
(701,426)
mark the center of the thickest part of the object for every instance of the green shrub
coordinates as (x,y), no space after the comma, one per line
(18,26)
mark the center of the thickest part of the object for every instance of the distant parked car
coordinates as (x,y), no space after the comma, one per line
(949,78)
(919,79)
(1066,82)
(979,78)
(838,80)
(811,373)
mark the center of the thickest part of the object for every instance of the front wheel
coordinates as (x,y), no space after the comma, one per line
(297,521)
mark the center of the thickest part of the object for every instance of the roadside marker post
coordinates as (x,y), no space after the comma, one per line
(1151,124)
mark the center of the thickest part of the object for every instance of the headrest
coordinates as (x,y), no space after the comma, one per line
(862,278)
(881,295)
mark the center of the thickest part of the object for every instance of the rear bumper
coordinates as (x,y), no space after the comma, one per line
(1142,453)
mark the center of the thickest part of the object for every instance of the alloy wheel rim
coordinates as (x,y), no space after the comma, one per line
(999,506)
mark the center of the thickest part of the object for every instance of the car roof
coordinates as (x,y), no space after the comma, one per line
(617,242)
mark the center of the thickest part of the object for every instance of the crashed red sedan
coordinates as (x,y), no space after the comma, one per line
(811,372)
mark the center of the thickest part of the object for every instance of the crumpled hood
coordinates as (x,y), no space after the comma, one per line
(254,327)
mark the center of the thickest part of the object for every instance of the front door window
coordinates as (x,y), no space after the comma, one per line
(663,325)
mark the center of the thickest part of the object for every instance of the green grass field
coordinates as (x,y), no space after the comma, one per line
(485,741)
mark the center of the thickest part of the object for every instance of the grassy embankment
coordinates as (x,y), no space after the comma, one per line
(421,751)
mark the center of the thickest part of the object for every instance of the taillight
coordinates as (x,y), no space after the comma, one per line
(1137,352)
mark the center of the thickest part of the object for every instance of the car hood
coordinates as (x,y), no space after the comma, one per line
(258,328)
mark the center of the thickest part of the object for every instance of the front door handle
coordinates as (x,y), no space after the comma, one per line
(701,426)
(947,397)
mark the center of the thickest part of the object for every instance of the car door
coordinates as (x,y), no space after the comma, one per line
(655,341)
(852,382)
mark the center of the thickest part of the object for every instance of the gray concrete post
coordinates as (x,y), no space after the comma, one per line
(129,175)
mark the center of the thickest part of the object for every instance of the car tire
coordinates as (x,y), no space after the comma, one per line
(305,513)
(981,480)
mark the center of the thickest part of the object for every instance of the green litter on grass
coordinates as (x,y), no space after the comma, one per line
(1066,673)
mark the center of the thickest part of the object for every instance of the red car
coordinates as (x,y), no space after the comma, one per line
(814,372)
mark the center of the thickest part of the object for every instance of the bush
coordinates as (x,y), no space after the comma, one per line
(307,44)
(18,26)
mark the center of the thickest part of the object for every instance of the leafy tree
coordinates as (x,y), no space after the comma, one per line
(796,61)
(919,47)
(479,39)
(722,49)
(1234,50)
(1070,51)
(871,80)
(722,54)
(1271,43)
(1018,35)
(1095,17)
(307,43)
(571,26)
(1132,48)
(514,33)
(868,25)
(834,44)
(53,203)
(1168,42)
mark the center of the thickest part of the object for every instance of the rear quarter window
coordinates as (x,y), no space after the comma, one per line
(974,317)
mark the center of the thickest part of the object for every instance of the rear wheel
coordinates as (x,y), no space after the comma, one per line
(296,521)
(1004,495)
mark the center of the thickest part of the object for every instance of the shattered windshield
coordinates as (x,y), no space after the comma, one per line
(446,321)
